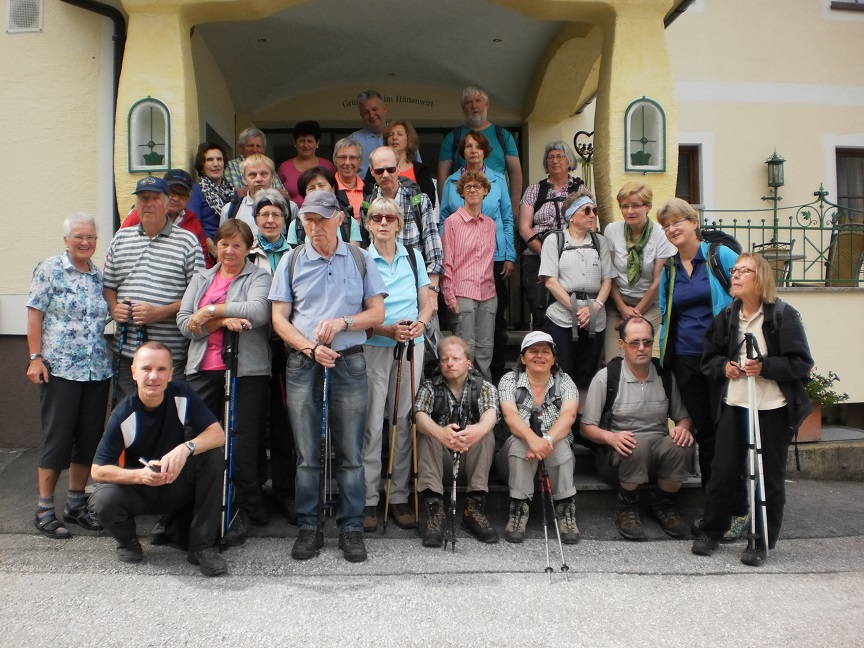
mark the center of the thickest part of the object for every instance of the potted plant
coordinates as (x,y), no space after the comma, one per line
(821,391)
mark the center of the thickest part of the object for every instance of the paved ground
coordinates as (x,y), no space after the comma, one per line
(655,593)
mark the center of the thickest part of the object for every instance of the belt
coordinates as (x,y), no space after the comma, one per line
(354,350)
(575,298)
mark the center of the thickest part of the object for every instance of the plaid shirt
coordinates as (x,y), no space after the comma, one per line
(430,239)
(426,399)
(549,414)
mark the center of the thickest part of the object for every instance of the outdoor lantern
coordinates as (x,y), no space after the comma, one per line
(775,170)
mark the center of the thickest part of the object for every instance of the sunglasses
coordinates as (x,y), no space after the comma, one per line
(390,218)
(381,170)
(635,344)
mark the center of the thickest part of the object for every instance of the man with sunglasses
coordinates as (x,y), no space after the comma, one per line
(420,230)
(633,434)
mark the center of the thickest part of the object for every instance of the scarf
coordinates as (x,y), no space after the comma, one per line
(635,251)
(272,249)
(216,195)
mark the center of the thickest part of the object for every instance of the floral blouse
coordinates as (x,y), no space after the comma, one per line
(73,326)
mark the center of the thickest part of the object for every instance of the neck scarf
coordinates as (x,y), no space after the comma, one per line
(635,250)
(216,195)
(272,250)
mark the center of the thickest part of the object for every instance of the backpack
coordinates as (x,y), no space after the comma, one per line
(595,243)
(715,239)
(501,431)
(613,379)
(439,401)
(457,137)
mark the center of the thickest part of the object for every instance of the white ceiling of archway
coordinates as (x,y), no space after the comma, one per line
(326,43)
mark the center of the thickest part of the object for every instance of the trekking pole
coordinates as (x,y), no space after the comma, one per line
(450,525)
(230,354)
(414,429)
(755,451)
(397,353)
(546,489)
(321,476)
(120,344)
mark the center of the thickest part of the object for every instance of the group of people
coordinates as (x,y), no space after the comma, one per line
(324,279)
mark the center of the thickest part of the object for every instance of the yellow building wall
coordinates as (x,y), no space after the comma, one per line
(49,166)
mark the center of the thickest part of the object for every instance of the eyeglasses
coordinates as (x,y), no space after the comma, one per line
(271,215)
(381,170)
(676,224)
(627,206)
(741,271)
(558,158)
(349,158)
(635,344)
(390,218)
(84,237)
(472,187)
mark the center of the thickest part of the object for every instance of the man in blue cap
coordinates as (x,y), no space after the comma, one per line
(147,270)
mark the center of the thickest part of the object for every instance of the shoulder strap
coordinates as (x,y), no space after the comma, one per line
(455,149)
(522,392)
(292,263)
(665,378)
(412,260)
(779,307)
(499,133)
(359,259)
(613,378)
(236,201)
(714,263)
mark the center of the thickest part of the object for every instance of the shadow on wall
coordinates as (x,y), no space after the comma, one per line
(20,426)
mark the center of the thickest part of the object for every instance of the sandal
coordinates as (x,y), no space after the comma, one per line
(81,516)
(50,526)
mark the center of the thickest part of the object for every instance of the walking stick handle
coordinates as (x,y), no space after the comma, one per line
(753,352)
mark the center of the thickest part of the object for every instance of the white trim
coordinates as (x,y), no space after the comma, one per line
(830,143)
(707,167)
(769,93)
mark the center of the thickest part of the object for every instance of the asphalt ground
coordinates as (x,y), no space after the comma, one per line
(616,593)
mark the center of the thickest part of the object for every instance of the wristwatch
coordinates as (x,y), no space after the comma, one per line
(349,322)
(436,289)
(33,356)
(212,310)
(191,446)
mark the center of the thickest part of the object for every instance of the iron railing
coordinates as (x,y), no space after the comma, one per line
(820,243)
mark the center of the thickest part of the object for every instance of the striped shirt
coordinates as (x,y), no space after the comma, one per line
(469,253)
(155,271)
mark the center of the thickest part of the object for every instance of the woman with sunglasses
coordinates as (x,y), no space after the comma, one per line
(690,297)
(407,287)
(639,250)
(782,364)
(468,284)
(576,267)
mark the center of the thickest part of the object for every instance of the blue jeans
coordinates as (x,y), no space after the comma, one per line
(347,396)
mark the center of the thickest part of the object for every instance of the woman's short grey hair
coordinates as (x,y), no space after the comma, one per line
(344,143)
(564,147)
(274,198)
(78,218)
(250,132)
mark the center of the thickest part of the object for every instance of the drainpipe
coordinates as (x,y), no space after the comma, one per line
(119,38)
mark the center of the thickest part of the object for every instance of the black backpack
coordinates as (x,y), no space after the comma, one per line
(439,401)
(715,239)
(613,379)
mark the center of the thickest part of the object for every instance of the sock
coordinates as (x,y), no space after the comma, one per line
(631,497)
(45,504)
(76,499)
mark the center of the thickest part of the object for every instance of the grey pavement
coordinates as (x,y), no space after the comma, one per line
(653,593)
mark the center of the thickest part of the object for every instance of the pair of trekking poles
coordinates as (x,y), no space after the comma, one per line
(140,338)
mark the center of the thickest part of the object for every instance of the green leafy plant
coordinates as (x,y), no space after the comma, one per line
(820,389)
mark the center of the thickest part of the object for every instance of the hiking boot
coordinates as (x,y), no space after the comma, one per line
(433,531)
(518,521)
(475,522)
(236,534)
(704,546)
(370,518)
(159,535)
(130,552)
(307,544)
(754,556)
(566,512)
(627,518)
(82,516)
(403,516)
(739,523)
(209,561)
(663,510)
(351,544)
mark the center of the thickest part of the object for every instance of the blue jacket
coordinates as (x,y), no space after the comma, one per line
(496,205)
(719,297)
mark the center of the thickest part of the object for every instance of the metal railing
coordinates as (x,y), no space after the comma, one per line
(820,243)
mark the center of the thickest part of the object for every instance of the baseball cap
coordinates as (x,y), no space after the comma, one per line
(536,337)
(151,183)
(179,177)
(323,203)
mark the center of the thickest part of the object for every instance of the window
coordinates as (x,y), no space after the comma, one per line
(645,137)
(688,174)
(850,184)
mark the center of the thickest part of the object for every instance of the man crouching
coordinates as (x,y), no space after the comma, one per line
(161,471)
